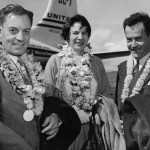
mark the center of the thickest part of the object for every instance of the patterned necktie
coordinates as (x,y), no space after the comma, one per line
(23,70)
(136,68)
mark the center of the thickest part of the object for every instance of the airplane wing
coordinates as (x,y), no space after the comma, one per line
(108,55)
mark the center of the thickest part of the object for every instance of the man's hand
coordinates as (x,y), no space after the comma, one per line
(51,126)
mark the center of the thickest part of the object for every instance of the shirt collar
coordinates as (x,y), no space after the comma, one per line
(13,58)
(142,60)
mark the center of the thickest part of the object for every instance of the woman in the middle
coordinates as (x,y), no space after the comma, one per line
(77,76)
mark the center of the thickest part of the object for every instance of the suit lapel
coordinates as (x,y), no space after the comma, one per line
(135,79)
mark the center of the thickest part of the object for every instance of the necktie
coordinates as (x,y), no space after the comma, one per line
(23,70)
(136,68)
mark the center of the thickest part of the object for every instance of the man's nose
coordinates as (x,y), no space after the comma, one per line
(20,36)
(133,43)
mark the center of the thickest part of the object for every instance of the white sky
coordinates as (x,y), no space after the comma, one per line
(105,16)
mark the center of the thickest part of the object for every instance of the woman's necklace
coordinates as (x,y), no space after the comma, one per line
(129,77)
(32,94)
(75,78)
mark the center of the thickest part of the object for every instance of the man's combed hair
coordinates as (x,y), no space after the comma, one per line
(137,18)
(16,10)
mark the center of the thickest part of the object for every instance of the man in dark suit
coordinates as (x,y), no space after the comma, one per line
(133,81)
(22,89)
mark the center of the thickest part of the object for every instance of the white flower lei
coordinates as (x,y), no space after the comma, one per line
(32,94)
(129,77)
(80,76)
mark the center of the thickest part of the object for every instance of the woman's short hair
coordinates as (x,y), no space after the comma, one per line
(70,22)
(16,10)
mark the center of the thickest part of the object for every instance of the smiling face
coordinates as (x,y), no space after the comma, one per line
(15,33)
(78,38)
(138,42)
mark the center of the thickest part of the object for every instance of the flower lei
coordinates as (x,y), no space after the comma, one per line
(80,77)
(32,94)
(129,77)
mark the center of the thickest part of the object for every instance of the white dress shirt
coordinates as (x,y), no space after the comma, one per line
(142,60)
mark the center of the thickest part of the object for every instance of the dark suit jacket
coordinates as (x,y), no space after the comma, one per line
(15,132)
(132,107)
(122,72)
(18,134)
(68,130)
(137,133)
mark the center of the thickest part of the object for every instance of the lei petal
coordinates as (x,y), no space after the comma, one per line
(129,77)
(32,95)
(76,78)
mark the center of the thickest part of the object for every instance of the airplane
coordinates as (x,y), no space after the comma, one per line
(45,35)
